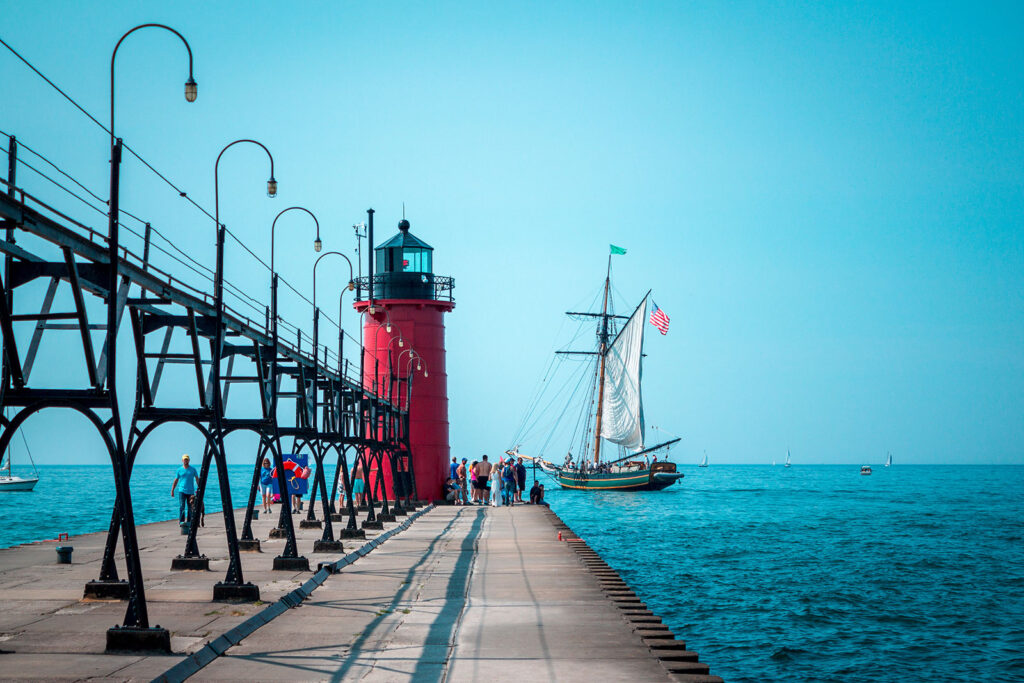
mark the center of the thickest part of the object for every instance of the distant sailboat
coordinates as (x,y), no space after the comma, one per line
(11,482)
(787,458)
(773,462)
(888,461)
(704,462)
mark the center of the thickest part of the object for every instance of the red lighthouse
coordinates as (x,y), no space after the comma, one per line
(403,341)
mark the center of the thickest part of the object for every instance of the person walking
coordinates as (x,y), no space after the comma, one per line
(267,485)
(358,485)
(184,487)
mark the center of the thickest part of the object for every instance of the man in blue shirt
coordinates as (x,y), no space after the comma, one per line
(185,487)
(453,469)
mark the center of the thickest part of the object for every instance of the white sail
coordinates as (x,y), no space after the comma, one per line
(622,416)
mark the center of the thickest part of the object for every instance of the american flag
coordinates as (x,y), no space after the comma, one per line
(659,319)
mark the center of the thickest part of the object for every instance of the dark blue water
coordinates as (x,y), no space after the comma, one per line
(817,573)
(78,499)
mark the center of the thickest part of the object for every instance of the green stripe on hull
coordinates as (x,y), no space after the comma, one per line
(624,481)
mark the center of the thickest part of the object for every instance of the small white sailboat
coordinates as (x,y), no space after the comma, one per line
(787,458)
(12,482)
(888,460)
(773,462)
(704,462)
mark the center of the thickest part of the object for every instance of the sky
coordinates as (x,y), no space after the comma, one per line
(826,198)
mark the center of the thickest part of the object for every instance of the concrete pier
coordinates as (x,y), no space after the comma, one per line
(455,593)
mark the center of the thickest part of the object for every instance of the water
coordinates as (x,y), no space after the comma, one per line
(78,499)
(816,573)
(772,574)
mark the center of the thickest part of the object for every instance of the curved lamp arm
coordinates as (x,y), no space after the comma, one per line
(191,87)
(351,274)
(317,244)
(271,184)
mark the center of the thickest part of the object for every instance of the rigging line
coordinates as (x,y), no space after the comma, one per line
(558,396)
(564,409)
(541,386)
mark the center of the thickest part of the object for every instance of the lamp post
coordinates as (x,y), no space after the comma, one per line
(316,311)
(137,616)
(341,337)
(391,372)
(421,365)
(317,246)
(290,549)
(376,348)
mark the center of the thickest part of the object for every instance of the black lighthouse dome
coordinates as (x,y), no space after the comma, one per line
(403,268)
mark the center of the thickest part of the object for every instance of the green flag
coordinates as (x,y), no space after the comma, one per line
(617,250)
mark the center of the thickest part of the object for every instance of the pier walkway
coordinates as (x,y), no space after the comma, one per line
(459,594)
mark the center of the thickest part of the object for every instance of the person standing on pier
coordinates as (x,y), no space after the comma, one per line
(266,485)
(520,480)
(461,478)
(473,485)
(483,472)
(185,487)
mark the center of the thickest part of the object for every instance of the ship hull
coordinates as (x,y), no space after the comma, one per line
(17,484)
(638,480)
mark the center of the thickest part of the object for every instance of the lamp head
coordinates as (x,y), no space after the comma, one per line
(401,342)
(371,310)
(387,328)
(418,367)
(191,90)
(271,187)
(317,244)
(351,285)
(426,374)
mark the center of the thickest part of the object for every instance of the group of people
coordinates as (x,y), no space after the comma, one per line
(482,482)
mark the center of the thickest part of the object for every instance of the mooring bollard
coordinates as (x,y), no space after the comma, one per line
(64,554)
(255,514)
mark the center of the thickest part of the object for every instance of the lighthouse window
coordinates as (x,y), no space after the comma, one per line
(416,261)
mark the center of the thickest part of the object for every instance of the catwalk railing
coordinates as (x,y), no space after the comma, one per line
(332,411)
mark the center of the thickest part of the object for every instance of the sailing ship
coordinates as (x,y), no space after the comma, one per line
(888,460)
(704,462)
(617,419)
(11,482)
(787,458)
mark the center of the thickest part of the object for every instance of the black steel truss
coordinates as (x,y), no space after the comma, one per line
(174,324)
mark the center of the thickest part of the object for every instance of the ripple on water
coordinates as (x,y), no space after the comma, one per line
(817,574)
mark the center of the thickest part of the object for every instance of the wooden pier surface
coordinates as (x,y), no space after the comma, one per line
(460,594)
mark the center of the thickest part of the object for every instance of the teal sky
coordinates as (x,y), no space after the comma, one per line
(826,198)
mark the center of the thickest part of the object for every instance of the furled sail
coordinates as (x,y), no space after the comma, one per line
(622,416)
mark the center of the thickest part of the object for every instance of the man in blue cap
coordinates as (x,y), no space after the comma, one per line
(185,487)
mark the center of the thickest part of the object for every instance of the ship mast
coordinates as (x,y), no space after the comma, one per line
(601,353)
